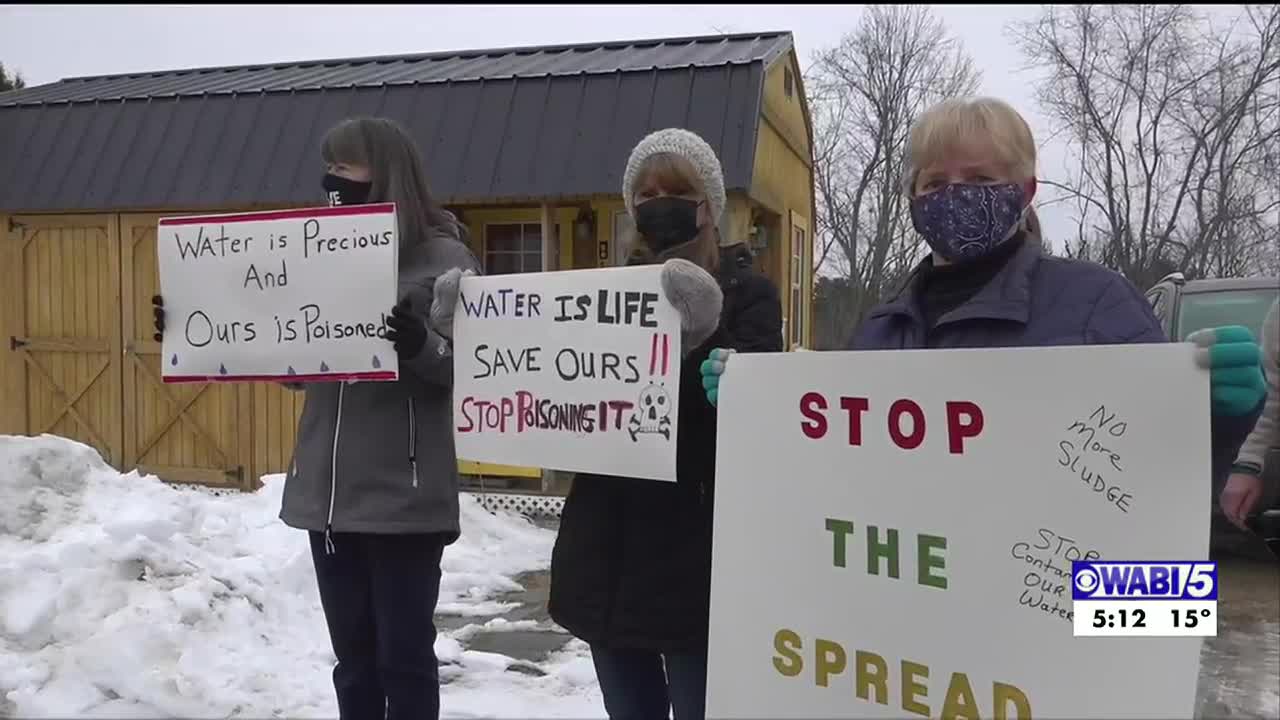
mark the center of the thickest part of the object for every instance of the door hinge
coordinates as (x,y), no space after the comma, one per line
(15,343)
(14,225)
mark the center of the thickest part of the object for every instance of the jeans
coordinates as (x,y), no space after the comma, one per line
(647,685)
(379,596)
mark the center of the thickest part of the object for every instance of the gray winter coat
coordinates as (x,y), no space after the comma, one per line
(378,457)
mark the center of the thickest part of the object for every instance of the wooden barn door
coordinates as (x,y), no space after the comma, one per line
(182,433)
(65,329)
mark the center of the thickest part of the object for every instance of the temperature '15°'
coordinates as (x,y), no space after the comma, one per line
(1189,618)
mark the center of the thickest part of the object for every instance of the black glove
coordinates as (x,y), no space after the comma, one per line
(407,331)
(157,303)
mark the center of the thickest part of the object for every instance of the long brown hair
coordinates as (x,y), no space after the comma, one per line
(395,166)
(674,175)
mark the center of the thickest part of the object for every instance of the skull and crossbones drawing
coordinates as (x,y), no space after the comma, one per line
(652,415)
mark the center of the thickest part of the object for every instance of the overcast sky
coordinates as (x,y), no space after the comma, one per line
(48,43)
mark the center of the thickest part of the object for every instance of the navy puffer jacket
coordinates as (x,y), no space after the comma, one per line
(1038,300)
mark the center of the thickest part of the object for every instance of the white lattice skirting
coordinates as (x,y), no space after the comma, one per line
(547,506)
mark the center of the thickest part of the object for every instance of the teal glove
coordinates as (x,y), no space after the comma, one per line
(712,368)
(1233,359)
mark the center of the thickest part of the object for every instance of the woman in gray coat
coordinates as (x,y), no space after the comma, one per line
(374,476)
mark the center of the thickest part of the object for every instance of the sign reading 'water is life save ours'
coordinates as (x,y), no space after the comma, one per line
(923,510)
(298,295)
(576,370)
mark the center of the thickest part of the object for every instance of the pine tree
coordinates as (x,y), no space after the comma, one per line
(8,82)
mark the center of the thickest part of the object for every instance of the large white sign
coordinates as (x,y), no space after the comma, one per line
(299,295)
(575,370)
(894,531)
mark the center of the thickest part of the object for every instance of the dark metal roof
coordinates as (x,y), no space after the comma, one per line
(553,122)
(459,66)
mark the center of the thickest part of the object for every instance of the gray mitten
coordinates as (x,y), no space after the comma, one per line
(445,300)
(696,296)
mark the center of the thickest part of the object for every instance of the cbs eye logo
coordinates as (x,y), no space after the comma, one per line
(1087,580)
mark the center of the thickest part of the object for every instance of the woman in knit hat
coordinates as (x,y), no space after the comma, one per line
(631,570)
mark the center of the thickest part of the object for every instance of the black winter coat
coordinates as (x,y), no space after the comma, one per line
(632,564)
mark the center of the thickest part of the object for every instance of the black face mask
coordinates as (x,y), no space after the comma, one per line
(344,191)
(668,221)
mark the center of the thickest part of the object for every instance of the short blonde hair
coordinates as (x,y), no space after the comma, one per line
(982,120)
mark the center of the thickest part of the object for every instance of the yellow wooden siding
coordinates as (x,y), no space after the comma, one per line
(180,432)
(275,426)
(786,114)
(736,226)
(782,182)
(13,397)
(606,243)
(64,296)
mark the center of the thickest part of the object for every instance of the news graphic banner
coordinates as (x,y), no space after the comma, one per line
(297,295)
(918,514)
(1133,599)
(576,370)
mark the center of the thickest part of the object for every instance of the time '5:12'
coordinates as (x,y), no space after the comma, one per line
(1101,618)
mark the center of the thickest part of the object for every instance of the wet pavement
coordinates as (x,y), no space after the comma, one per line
(1239,669)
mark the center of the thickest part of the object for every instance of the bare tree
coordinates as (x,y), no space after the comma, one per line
(1175,124)
(864,95)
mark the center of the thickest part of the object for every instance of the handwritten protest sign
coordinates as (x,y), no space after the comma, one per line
(576,370)
(298,295)
(894,531)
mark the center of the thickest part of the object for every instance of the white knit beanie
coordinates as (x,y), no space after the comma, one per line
(687,145)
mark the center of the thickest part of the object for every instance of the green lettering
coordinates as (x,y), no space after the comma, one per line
(927,561)
(840,530)
(877,551)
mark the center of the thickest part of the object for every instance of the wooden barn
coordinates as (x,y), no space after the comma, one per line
(527,146)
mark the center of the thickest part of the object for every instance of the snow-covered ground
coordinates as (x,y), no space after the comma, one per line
(121,596)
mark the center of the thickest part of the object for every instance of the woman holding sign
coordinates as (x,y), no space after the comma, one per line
(970,179)
(631,570)
(374,475)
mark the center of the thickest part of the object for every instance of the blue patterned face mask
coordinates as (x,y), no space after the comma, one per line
(965,222)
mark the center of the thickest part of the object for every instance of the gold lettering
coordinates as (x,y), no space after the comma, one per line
(829,660)
(912,688)
(872,669)
(1002,694)
(960,702)
(787,644)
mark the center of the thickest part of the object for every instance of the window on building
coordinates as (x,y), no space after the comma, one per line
(788,82)
(513,248)
(797,285)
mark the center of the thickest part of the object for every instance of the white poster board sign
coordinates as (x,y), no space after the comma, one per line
(576,370)
(1025,460)
(297,295)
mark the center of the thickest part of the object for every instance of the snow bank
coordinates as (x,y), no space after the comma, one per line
(121,596)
